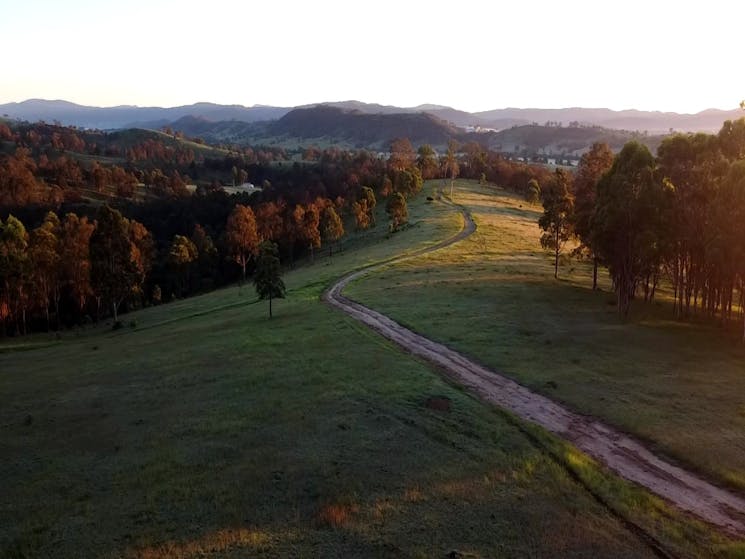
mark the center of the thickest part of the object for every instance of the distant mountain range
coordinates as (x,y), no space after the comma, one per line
(154,117)
(352,124)
(126,116)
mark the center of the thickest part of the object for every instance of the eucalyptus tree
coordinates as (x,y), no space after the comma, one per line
(592,166)
(629,220)
(556,221)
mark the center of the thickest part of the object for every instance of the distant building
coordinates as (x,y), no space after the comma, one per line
(245,188)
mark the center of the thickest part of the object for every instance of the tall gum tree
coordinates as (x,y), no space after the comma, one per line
(117,264)
(242,236)
(556,221)
(14,262)
(592,166)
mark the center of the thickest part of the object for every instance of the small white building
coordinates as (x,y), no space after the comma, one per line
(245,188)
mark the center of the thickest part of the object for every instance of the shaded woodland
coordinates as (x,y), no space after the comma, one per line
(678,217)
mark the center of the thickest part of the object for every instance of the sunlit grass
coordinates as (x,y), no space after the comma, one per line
(680,386)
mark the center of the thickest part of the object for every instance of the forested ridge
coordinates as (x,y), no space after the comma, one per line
(95,223)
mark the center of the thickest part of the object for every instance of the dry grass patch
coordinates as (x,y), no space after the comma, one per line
(336,515)
(221,541)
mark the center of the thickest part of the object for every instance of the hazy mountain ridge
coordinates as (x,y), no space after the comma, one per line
(126,116)
(324,125)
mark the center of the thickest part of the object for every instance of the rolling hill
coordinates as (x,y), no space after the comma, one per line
(363,129)
(324,125)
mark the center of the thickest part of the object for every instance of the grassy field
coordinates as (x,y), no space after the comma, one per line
(678,385)
(209,430)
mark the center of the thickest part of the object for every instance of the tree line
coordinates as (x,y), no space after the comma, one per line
(679,216)
(81,268)
(130,253)
(72,269)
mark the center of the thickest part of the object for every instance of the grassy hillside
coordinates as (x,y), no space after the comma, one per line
(208,430)
(678,385)
(130,137)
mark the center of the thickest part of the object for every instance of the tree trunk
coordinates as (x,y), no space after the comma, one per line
(742,310)
(270,306)
(56,308)
(556,255)
(624,301)
(594,273)
(114,306)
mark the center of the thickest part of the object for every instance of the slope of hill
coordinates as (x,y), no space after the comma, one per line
(323,451)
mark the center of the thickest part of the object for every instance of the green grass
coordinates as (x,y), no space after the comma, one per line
(679,386)
(211,431)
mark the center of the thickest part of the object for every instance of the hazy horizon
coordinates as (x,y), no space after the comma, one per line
(160,53)
(423,104)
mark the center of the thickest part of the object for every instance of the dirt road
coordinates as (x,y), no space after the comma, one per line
(621,453)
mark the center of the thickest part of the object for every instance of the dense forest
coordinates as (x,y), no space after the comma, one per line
(679,216)
(93,224)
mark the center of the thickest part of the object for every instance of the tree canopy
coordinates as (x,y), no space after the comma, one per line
(397,209)
(242,236)
(629,219)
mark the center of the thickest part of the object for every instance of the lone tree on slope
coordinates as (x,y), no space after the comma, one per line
(556,221)
(269,284)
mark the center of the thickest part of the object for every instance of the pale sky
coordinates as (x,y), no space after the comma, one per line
(680,56)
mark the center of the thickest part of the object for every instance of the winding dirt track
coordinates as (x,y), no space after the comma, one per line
(621,453)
